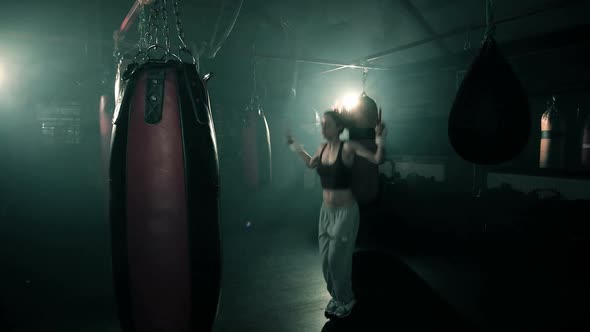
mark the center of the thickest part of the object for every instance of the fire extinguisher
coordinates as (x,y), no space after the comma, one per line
(552,145)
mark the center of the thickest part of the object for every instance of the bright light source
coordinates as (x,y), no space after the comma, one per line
(2,74)
(348,102)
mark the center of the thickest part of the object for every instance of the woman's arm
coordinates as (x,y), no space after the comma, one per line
(310,161)
(378,156)
(361,151)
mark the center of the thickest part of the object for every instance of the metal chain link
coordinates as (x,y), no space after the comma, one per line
(142,29)
(180,30)
(166,29)
(150,31)
(467,44)
(179,25)
(117,54)
(198,62)
(156,26)
(152,25)
(365,74)
(254,100)
(491,26)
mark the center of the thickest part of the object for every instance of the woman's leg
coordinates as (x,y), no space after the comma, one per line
(324,245)
(343,232)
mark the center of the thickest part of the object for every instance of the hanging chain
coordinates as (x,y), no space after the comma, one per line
(149,33)
(179,25)
(166,29)
(145,27)
(117,50)
(152,37)
(467,44)
(198,61)
(254,100)
(142,29)
(155,26)
(152,30)
(365,74)
(180,30)
(491,26)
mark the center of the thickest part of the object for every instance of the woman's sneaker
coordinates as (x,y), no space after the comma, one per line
(331,308)
(344,310)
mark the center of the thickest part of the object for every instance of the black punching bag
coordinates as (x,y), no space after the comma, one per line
(490,121)
(164,201)
(365,174)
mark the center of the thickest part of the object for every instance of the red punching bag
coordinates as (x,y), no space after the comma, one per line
(256,149)
(106,126)
(119,82)
(164,201)
(552,144)
(586,144)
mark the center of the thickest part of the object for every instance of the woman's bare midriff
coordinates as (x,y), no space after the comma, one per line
(338,197)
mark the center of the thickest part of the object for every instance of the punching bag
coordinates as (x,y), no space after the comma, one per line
(552,143)
(105,118)
(490,121)
(256,149)
(365,174)
(164,201)
(119,82)
(585,157)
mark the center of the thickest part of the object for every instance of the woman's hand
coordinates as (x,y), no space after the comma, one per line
(380,130)
(294,146)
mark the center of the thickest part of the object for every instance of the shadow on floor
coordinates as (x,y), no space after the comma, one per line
(391,297)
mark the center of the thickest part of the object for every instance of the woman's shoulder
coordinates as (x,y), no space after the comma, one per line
(347,144)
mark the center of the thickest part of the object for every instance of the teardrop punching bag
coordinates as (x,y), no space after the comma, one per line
(552,143)
(490,121)
(164,201)
(256,149)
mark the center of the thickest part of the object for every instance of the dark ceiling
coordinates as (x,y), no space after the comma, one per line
(335,30)
(321,34)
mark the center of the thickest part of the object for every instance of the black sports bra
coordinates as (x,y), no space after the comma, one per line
(335,175)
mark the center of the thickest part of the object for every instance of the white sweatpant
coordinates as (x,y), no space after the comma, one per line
(338,228)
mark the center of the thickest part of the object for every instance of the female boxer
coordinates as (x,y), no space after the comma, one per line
(339,214)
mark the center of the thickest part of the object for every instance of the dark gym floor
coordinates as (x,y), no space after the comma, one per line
(405,280)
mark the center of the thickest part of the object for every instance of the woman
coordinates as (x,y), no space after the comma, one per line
(339,214)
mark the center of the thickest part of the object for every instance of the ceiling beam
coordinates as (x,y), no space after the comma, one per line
(421,20)
(528,46)
(512,49)
(555,5)
(315,61)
